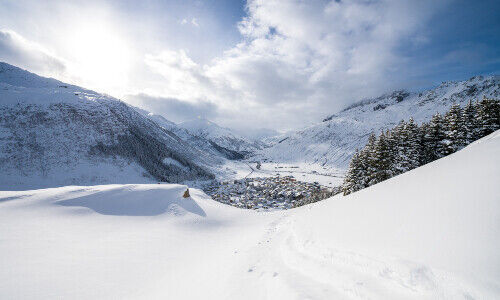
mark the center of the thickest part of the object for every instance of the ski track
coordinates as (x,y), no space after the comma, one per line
(283,266)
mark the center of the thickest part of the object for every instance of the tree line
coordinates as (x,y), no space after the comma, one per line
(408,145)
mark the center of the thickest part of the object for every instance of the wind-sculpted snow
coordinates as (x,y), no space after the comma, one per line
(48,128)
(147,201)
(333,141)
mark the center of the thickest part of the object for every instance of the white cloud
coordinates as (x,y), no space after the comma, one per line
(174,109)
(299,60)
(17,50)
(193,22)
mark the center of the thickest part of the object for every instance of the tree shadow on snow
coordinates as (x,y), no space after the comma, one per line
(136,203)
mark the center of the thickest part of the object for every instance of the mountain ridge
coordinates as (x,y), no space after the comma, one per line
(48,128)
(333,141)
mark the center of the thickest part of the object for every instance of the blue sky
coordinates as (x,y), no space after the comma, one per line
(262,63)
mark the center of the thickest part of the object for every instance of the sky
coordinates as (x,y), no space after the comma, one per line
(247,65)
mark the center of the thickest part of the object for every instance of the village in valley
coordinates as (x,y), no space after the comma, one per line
(277,192)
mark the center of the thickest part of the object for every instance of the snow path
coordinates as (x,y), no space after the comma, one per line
(394,240)
(283,266)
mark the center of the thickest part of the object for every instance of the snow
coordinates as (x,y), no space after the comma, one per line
(432,233)
(90,172)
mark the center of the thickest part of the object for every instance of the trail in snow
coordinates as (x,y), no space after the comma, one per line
(283,266)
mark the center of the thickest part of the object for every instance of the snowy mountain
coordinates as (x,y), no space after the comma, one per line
(221,136)
(333,141)
(431,233)
(52,133)
(201,142)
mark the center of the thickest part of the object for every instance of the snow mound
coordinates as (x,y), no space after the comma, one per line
(136,200)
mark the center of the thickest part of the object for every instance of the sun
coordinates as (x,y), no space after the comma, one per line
(100,56)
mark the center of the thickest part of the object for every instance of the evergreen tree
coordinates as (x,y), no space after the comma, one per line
(488,115)
(408,146)
(367,157)
(469,115)
(397,143)
(355,175)
(435,139)
(408,153)
(455,129)
(422,140)
(382,160)
(412,149)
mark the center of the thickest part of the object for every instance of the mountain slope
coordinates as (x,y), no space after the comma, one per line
(55,134)
(221,136)
(431,233)
(201,142)
(333,141)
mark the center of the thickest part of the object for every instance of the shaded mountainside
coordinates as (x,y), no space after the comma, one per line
(49,129)
(333,141)
(221,136)
(197,141)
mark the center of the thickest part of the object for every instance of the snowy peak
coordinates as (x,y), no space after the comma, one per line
(15,76)
(206,128)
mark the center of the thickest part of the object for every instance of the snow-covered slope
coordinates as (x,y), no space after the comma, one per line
(53,134)
(333,141)
(431,233)
(221,136)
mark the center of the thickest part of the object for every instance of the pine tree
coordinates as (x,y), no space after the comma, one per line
(408,149)
(397,145)
(355,175)
(435,139)
(367,157)
(382,160)
(488,115)
(469,117)
(455,129)
(422,141)
(413,150)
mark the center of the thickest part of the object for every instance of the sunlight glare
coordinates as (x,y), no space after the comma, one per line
(101,56)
